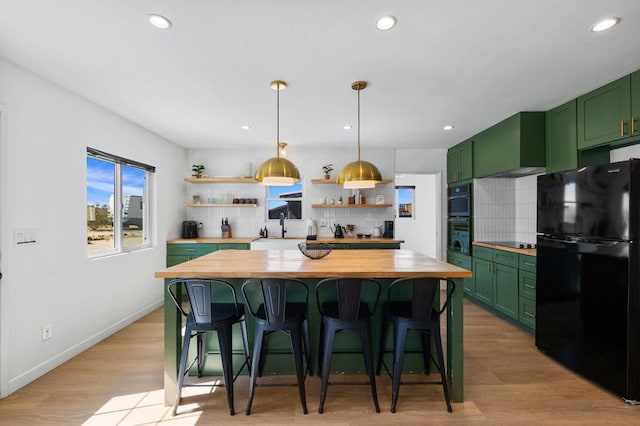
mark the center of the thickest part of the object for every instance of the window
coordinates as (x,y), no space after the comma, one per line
(285,199)
(117,204)
(405,201)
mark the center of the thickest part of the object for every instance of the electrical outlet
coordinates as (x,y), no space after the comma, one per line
(47,332)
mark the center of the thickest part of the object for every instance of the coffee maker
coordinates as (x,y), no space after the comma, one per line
(388,229)
(189,229)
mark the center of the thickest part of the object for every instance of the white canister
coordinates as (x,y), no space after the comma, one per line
(376,232)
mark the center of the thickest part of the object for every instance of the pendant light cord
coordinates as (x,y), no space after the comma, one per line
(278,121)
(358,124)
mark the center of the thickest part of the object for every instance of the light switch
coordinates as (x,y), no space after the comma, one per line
(24,236)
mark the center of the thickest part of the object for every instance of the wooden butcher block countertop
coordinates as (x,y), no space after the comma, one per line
(376,263)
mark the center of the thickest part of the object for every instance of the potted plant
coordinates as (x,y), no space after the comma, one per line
(197,170)
(327,169)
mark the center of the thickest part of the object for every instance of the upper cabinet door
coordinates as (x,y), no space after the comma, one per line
(561,138)
(635,103)
(453,160)
(466,160)
(460,162)
(604,114)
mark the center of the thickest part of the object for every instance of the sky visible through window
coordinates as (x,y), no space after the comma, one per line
(101,179)
(405,195)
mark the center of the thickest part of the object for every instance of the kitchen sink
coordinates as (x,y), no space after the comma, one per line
(276,243)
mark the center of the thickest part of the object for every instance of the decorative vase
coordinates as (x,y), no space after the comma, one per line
(327,177)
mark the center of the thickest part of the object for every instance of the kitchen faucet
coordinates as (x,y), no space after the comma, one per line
(284,230)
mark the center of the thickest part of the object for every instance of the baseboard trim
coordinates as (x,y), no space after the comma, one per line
(48,365)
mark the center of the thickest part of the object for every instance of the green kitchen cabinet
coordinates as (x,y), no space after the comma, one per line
(234,246)
(175,260)
(495,275)
(604,114)
(527,289)
(482,280)
(505,290)
(635,104)
(462,261)
(515,143)
(460,162)
(178,253)
(367,246)
(561,137)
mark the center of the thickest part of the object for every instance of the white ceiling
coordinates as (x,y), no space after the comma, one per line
(468,63)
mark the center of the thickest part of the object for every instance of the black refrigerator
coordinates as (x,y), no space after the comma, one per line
(587,289)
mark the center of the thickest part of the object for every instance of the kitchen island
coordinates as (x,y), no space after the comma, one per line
(236,265)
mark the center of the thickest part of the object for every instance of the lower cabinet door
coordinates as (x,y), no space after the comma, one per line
(174,260)
(528,312)
(462,261)
(505,291)
(482,280)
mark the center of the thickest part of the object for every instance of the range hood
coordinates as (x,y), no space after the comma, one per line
(519,172)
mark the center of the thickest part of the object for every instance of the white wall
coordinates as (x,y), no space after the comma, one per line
(428,161)
(45,132)
(420,232)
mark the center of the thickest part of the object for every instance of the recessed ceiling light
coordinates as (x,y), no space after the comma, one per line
(386,23)
(605,24)
(246,127)
(448,127)
(159,21)
(347,127)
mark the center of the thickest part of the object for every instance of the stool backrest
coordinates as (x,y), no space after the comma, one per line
(349,293)
(273,294)
(201,295)
(422,293)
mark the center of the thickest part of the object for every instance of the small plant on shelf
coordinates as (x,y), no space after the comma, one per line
(327,169)
(197,170)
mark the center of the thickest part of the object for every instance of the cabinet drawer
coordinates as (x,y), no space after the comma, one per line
(527,285)
(233,246)
(527,263)
(528,312)
(483,252)
(459,260)
(190,249)
(505,258)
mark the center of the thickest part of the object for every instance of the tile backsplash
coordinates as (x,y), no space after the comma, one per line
(505,209)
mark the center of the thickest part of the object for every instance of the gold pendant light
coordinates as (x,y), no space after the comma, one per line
(278,171)
(359,174)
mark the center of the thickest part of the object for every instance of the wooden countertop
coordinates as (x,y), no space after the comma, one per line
(249,240)
(530,252)
(210,241)
(355,240)
(291,263)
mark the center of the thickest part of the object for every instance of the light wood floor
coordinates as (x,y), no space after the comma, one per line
(507,382)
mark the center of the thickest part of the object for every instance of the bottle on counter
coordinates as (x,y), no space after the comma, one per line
(226,228)
(266,232)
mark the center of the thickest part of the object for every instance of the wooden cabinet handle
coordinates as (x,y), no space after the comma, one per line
(621,127)
(633,125)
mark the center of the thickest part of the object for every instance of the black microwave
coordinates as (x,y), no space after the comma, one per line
(459,200)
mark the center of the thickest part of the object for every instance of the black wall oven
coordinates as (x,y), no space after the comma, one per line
(459,235)
(459,200)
